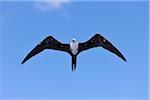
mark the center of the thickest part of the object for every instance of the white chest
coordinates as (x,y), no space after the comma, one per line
(74,47)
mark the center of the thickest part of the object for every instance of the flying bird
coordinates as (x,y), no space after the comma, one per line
(74,48)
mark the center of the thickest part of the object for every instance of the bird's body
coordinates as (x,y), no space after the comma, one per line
(74,48)
(74,45)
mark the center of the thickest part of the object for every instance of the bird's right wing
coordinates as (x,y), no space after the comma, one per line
(47,43)
(98,40)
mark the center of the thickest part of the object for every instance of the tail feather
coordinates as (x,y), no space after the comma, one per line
(74,63)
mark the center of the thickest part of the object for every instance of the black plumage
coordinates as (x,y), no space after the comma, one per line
(96,41)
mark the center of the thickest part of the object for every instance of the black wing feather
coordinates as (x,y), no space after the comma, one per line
(47,43)
(98,40)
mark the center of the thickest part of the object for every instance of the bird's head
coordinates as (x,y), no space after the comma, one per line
(73,39)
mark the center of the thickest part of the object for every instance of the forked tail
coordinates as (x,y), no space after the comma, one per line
(74,58)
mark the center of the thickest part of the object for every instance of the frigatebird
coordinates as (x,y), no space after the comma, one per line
(74,48)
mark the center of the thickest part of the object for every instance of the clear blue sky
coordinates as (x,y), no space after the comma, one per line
(100,75)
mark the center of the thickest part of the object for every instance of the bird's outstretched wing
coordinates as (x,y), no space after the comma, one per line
(47,43)
(98,40)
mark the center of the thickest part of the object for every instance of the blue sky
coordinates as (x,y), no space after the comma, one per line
(100,75)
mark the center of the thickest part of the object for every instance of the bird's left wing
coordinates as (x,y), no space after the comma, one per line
(98,40)
(47,43)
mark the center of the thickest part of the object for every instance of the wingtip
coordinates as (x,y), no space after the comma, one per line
(124,59)
(23,62)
